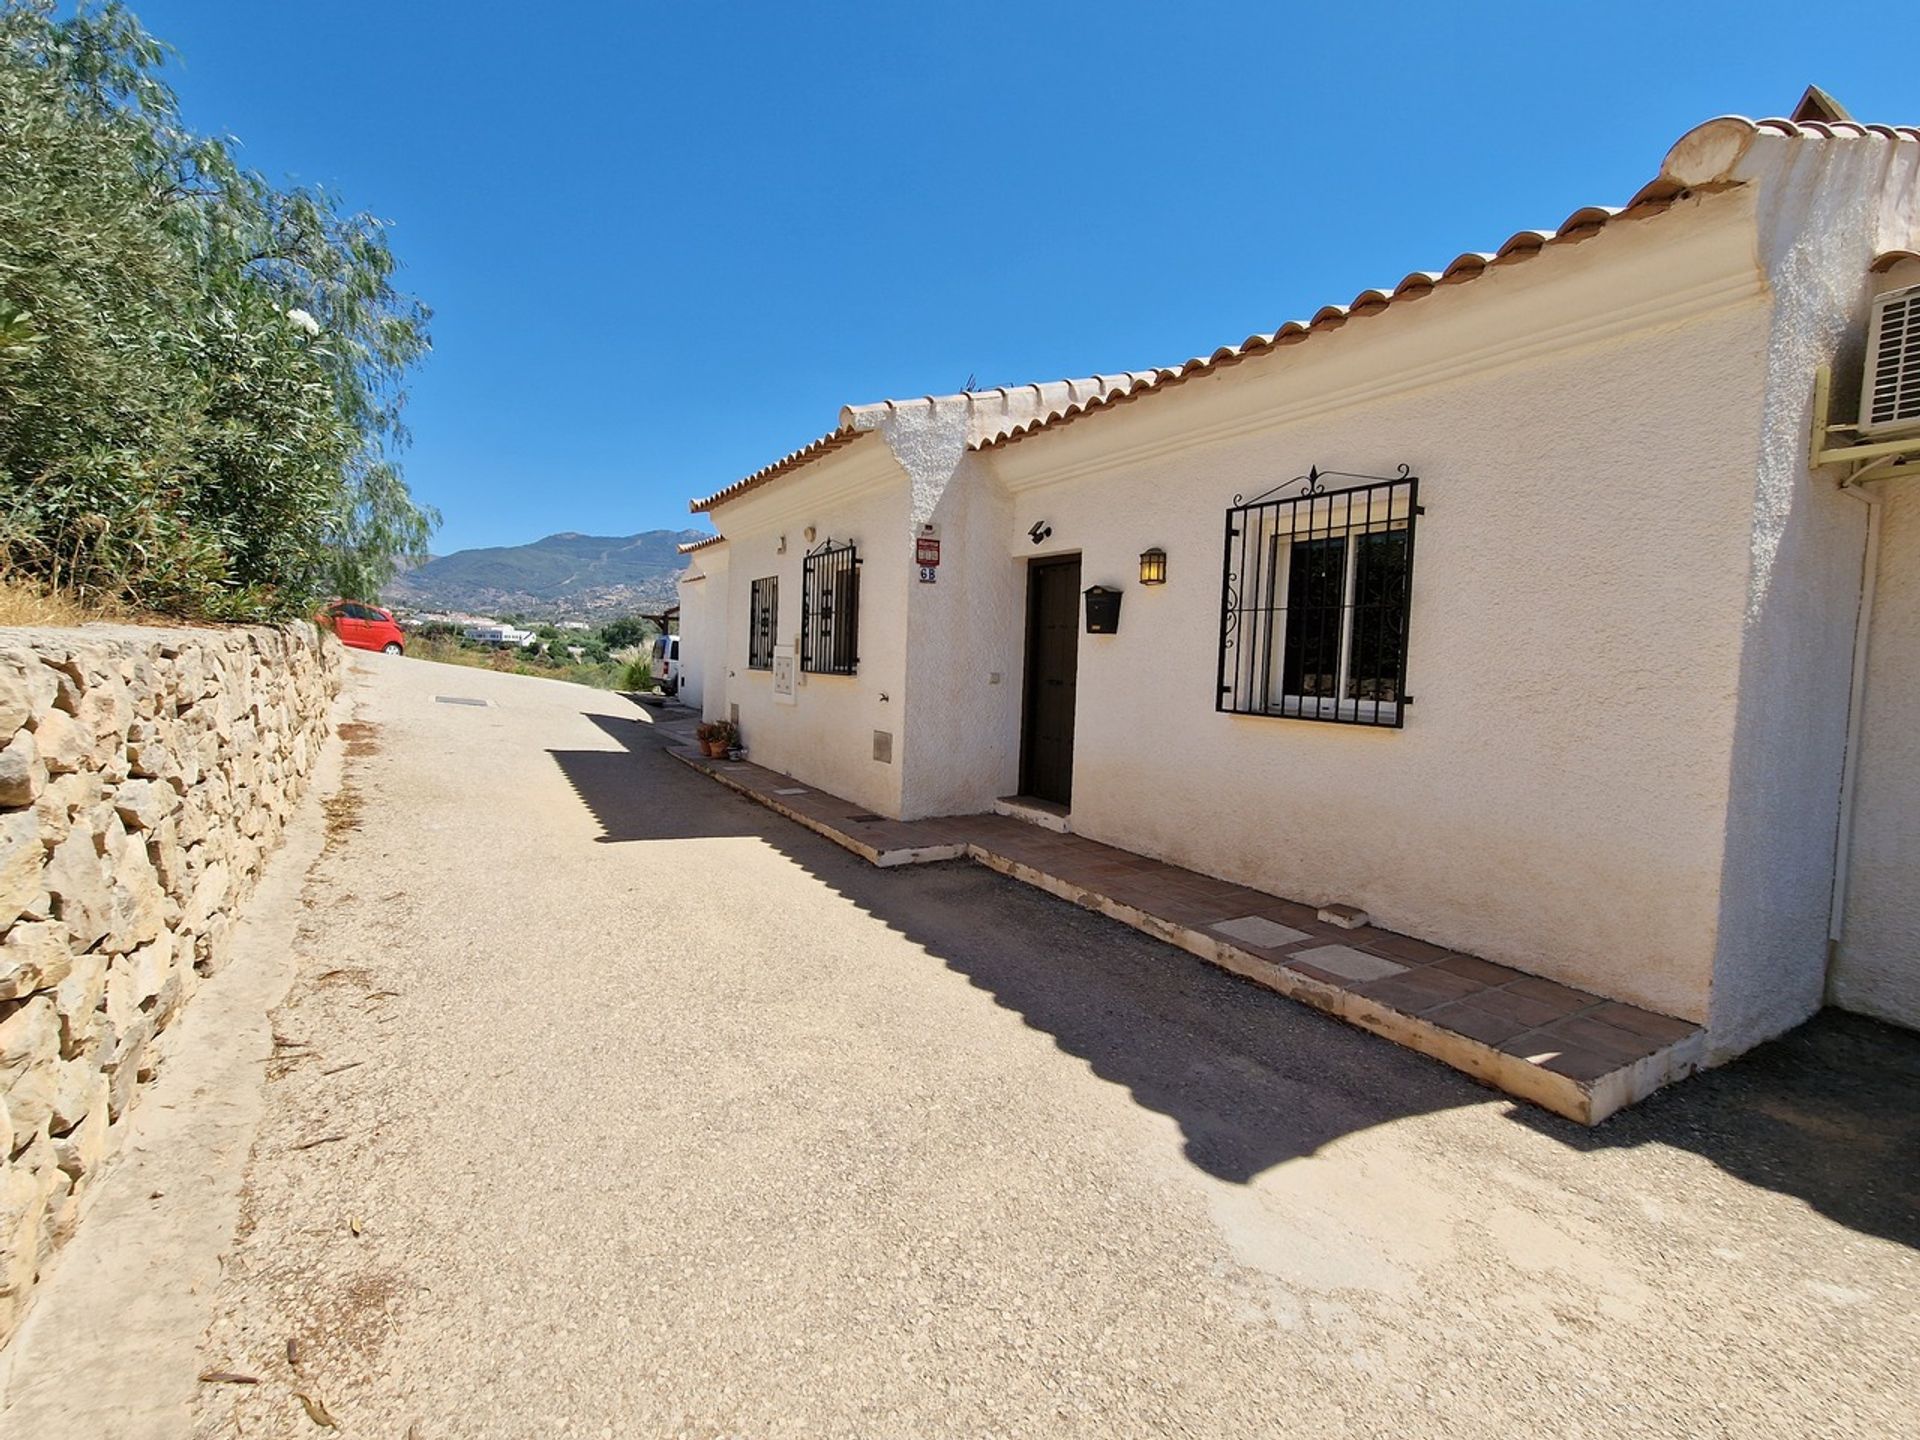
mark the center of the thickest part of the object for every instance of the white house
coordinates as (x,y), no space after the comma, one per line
(499,634)
(1527,604)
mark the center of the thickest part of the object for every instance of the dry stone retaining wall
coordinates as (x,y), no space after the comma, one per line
(144,776)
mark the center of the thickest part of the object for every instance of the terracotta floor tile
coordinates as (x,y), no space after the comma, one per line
(1589,1034)
(1396,992)
(1288,912)
(1405,947)
(1579,1064)
(1548,992)
(1416,991)
(1664,1028)
(1361,937)
(1465,1018)
(1471,967)
(1518,1007)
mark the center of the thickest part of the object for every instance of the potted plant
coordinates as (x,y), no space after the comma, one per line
(716,738)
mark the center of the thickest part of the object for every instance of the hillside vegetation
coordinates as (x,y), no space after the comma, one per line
(569,573)
(200,372)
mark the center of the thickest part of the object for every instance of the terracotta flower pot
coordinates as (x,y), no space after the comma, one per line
(714,749)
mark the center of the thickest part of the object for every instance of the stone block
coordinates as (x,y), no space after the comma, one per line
(76,875)
(30,1100)
(23,864)
(63,744)
(35,955)
(123,1071)
(136,903)
(143,804)
(192,819)
(26,690)
(77,1001)
(81,1150)
(106,710)
(209,897)
(29,1038)
(64,797)
(23,1208)
(73,1092)
(22,773)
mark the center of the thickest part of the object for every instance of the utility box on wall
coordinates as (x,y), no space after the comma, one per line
(1103,610)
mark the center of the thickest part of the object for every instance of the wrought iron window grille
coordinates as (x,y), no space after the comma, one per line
(763,622)
(1315,598)
(830,609)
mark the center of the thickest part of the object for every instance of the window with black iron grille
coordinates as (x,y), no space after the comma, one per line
(763,618)
(1315,599)
(830,610)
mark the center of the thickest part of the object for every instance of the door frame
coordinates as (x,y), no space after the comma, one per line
(1036,566)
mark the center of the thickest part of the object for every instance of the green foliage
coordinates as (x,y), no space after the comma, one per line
(444,643)
(625,632)
(638,675)
(200,374)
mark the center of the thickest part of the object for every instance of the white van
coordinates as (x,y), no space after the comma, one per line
(666,663)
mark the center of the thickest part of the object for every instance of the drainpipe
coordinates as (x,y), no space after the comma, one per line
(1856,704)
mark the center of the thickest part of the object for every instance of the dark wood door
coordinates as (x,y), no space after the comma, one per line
(1053,659)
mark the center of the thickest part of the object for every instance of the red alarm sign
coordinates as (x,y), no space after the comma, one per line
(926,551)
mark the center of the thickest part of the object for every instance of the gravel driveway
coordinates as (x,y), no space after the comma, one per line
(608,1104)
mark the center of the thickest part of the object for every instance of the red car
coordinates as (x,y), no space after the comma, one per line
(365,627)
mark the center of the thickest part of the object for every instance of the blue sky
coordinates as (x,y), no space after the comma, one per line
(666,242)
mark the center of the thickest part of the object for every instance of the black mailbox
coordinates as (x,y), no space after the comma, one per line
(1103,610)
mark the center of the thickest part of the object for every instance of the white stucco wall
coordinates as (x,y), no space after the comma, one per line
(967,643)
(956,727)
(1823,210)
(694,632)
(1586,430)
(1877,971)
(825,738)
(706,652)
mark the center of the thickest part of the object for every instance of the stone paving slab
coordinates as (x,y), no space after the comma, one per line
(1572,1052)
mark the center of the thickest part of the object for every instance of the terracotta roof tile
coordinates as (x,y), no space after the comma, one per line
(1720,148)
(812,450)
(989,412)
(701,544)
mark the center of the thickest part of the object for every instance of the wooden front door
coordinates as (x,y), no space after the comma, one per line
(1053,659)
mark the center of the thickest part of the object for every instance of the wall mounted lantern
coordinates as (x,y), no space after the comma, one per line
(1153,566)
(1103,610)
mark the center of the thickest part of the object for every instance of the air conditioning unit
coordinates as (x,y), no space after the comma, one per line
(1890,389)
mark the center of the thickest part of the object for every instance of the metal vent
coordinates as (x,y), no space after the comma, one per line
(883,746)
(1890,390)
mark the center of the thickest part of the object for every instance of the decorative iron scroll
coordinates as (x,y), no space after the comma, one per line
(1316,597)
(830,610)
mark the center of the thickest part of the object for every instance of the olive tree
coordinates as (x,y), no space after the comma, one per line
(201,374)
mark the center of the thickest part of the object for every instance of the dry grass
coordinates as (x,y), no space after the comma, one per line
(26,603)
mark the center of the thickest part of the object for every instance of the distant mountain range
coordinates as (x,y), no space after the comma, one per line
(564,575)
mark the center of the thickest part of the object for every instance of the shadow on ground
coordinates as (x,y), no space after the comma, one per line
(1829,1114)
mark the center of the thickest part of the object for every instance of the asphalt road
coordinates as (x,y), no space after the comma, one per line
(609,1104)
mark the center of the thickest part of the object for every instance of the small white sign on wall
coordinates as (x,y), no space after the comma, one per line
(783,674)
(926,553)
